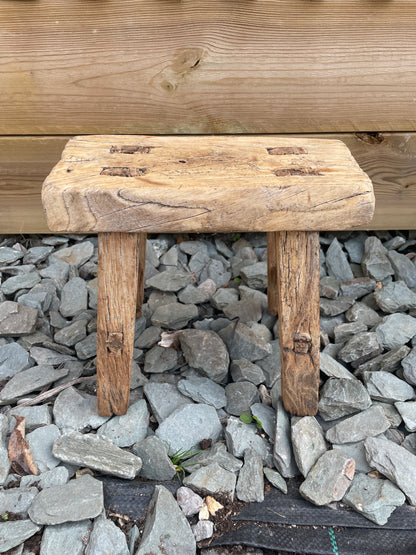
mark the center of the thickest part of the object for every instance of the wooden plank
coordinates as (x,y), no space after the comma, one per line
(207,66)
(297,256)
(176,184)
(116,313)
(141,264)
(388,158)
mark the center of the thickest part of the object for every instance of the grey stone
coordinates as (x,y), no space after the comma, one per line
(74,297)
(74,410)
(37,254)
(203,530)
(164,399)
(340,397)
(247,293)
(255,275)
(206,352)
(148,338)
(193,247)
(409,366)
(48,356)
(189,501)
(167,530)
(223,297)
(271,364)
(98,453)
(332,368)
(408,413)
(328,287)
(174,315)
(35,417)
(360,312)
(170,257)
(65,538)
(27,381)
(250,483)
(58,271)
(87,348)
(72,334)
(245,310)
(394,462)
(76,255)
(216,271)
(22,281)
(403,267)
(17,500)
(244,370)
(276,479)
(308,442)
(337,263)
(188,425)
(409,443)
(13,359)
(358,287)
(360,348)
(240,436)
(387,362)
(267,416)
(374,498)
(159,359)
(40,443)
(343,332)
(198,262)
(38,298)
(4,456)
(128,428)
(217,453)
(333,307)
(133,535)
(15,532)
(203,390)
(16,319)
(283,456)
(395,297)
(212,479)
(240,397)
(170,280)
(242,342)
(156,465)
(394,243)
(383,386)
(355,451)
(370,422)
(9,256)
(392,414)
(92,286)
(58,476)
(51,505)
(375,263)
(192,295)
(328,479)
(395,330)
(106,537)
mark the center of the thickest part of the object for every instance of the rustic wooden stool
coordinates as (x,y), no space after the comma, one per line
(123,187)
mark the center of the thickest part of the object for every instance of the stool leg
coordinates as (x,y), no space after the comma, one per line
(296,258)
(116,311)
(272,288)
(141,263)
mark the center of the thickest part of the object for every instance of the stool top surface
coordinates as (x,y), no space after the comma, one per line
(137,183)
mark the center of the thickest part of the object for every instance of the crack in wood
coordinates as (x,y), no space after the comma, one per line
(284,172)
(114,342)
(285,150)
(123,171)
(131,149)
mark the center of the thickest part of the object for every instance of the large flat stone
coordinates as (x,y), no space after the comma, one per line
(17,500)
(74,410)
(396,330)
(15,532)
(106,537)
(383,386)
(370,422)
(22,281)
(13,359)
(308,442)
(128,428)
(77,500)
(164,399)
(212,479)
(16,319)
(65,538)
(167,530)
(340,397)
(40,443)
(27,381)
(96,453)
(76,255)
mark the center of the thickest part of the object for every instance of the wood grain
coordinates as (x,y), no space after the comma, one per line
(141,264)
(297,256)
(388,158)
(116,311)
(133,183)
(207,66)
(272,284)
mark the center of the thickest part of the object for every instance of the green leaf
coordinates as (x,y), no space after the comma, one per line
(246,418)
(236,237)
(258,422)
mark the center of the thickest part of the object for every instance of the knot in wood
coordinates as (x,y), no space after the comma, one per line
(302,343)
(115,342)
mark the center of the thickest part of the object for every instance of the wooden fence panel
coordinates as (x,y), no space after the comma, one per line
(207,66)
(389,159)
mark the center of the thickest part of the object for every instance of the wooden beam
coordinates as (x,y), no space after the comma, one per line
(207,66)
(388,158)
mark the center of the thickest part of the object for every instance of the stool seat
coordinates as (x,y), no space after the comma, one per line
(123,187)
(204,184)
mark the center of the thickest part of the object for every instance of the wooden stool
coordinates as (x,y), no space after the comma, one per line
(123,187)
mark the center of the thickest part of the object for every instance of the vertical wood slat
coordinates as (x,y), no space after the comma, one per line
(116,311)
(272,285)
(141,263)
(298,270)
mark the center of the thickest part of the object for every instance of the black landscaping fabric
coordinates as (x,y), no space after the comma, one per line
(287,522)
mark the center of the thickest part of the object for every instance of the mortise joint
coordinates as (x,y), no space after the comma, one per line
(114,342)
(131,149)
(302,343)
(285,150)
